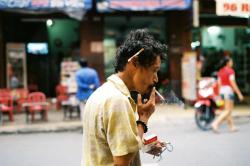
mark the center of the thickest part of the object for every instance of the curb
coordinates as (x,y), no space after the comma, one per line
(59,127)
(48,128)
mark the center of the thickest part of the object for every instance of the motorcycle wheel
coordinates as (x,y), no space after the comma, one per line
(202,120)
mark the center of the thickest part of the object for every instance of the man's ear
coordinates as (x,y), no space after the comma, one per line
(135,61)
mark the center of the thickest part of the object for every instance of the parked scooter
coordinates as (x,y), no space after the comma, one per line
(207,103)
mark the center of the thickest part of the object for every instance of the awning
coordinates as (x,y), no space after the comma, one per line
(74,8)
(142,5)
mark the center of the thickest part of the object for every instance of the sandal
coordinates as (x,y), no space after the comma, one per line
(234,129)
(215,129)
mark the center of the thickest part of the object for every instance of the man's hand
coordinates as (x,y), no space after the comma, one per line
(145,109)
(156,149)
(92,86)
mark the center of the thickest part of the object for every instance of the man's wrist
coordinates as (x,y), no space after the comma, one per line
(141,118)
(143,124)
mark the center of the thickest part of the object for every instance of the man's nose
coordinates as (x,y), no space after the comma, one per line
(155,78)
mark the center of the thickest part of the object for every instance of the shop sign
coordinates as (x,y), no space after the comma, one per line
(16,67)
(239,8)
(74,8)
(96,47)
(188,70)
(39,3)
(142,5)
(45,4)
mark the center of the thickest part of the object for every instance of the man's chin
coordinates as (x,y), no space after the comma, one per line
(146,92)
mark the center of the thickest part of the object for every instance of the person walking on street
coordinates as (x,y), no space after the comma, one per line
(112,135)
(227,87)
(87,81)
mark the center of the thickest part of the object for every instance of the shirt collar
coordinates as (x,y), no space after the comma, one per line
(119,84)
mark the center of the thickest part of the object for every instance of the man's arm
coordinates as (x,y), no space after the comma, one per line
(121,131)
(123,160)
(80,84)
(235,87)
(96,81)
(145,110)
(127,159)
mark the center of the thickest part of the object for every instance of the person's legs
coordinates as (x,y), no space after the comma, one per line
(82,105)
(230,121)
(215,125)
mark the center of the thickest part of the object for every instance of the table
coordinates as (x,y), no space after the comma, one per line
(26,106)
(1,115)
(70,106)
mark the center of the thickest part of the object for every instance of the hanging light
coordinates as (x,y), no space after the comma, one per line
(49,22)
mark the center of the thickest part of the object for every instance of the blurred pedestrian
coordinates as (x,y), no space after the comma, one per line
(112,136)
(227,88)
(87,81)
(14,82)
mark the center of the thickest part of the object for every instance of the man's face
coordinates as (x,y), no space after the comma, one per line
(145,78)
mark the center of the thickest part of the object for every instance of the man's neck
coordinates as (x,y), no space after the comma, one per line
(125,77)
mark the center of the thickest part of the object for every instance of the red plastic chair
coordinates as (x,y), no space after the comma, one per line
(61,95)
(23,95)
(6,106)
(40,105)
(5,92)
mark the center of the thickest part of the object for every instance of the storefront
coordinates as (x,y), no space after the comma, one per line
(224,30)
(160,17)
(35,38)
(98,35)
(115,28)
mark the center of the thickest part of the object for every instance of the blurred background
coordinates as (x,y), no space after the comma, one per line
(41,42)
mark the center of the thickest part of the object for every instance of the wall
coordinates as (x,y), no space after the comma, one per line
(63,41)
(91,34)
(2,57)
(179,40)
(62,35)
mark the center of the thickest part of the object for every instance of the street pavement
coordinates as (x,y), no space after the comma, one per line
(192,147)
(56,123)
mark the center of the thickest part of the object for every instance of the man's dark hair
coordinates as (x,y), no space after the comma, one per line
(135,41)
(83,62)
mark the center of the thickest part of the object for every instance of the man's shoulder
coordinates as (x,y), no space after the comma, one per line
(79,71)
(107,91)
(90,69)
(110,88)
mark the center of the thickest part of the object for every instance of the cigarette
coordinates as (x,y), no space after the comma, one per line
(158,93)
(136,54)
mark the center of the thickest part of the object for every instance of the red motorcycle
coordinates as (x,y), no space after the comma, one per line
(207,103)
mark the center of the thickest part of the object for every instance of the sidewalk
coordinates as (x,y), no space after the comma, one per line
(56,123)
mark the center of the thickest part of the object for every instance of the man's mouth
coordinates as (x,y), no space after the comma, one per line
(151,87)
(146,95)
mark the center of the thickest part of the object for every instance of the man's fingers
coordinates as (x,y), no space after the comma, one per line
(139,102)
(152,96)
(156,150)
